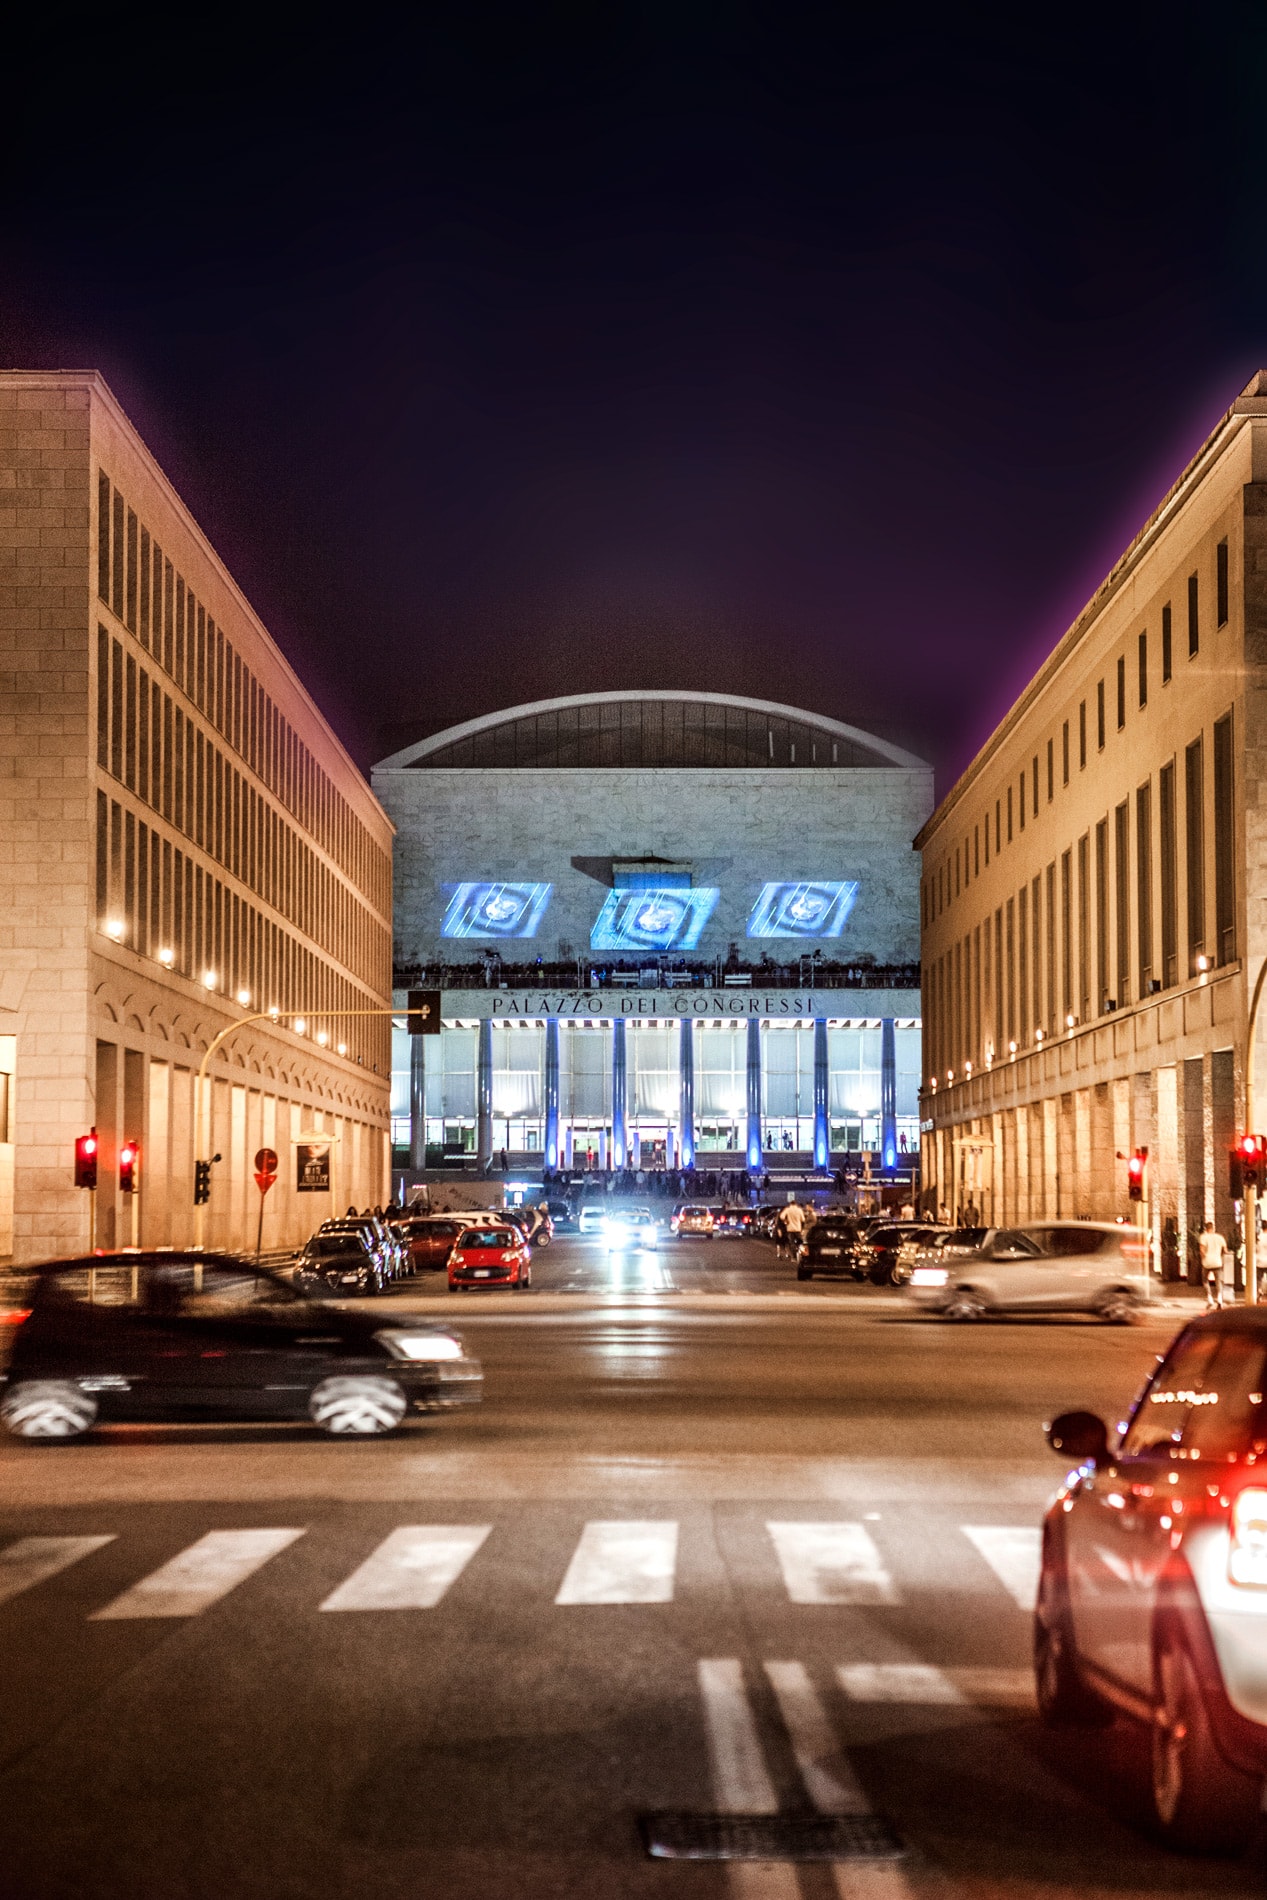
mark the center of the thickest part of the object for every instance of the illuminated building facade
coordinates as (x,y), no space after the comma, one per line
(184,843)
(1090,888)
(664,927)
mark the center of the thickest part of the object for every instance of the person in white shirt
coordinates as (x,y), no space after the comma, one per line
(1213,1249)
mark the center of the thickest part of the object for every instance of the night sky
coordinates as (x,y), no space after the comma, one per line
(746,348)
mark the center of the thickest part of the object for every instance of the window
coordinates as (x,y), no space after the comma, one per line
(1099,715)
(1121,692)
(1084,926)
(1169,877)
(1066,930)
(1082,735)
(1175,1409)
(1143,669)
(1035,902)
(1051,770)
(1034,778)
(1022,958)
(1102,914)
(1166,646)
(1051,945)
(1009,813)
(1194,623)
(1195,815)
(1022,800)
(1064,753)
(1224,883)
(1122,900)
(997,839)
(1011,970)
(1221,582)
(1144,884)
(976,850)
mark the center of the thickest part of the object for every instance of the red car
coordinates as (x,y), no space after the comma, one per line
(430,1239)
(490,1255)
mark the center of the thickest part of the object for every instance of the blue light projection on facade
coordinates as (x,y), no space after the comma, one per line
(652,920)
(801,910)
(483,913)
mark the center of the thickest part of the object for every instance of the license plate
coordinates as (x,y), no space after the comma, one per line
(831,1253)
(483,1273)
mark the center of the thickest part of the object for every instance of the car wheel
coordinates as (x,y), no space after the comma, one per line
(964,1304)
(1201,1803)
(1116,1307)
(361,1407)
(48,1410)
(1064,1701)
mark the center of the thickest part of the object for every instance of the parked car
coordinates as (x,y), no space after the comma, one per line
(732,1223)
(340,1263)
(827,1247)
(763,1219)
(429,1239)
(1152,1594)
(877,1252)
(1094,1267)
(562,1215)
(165,1335)
(591,1217)
(390,1251)
(630,1230)
(693,1222)
(488,1255)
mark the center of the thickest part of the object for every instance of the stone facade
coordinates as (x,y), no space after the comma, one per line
(141,797)
(1090,901)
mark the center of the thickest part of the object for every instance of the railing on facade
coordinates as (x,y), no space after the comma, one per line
(808,972)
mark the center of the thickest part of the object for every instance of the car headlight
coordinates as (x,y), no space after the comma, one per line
(929,1276)
(421,1346)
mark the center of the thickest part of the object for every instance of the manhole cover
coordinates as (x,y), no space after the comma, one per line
(769,1837)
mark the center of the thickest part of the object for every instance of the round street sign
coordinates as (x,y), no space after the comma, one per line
(266,1161)
(264,1181)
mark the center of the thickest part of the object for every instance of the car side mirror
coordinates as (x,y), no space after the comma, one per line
(1079,1435)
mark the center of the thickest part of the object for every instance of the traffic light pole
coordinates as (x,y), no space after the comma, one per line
(1250,1217)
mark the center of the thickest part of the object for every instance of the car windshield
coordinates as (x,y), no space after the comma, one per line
(335,1246)
(1206,1398)
(485,1239)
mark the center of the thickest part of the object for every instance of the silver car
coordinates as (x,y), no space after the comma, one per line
(1152,1596)
(1074,1266)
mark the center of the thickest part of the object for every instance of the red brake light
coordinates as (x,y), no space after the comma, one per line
(1247,1558)
(16,1317)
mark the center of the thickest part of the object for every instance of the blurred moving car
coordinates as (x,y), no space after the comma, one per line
(1152,1595)
(163,1336)
(732,1223)
(591,1217)
(489,1255)
(1079,1266)
(340,1263)
(692,1222)
(429,1239)
(827,1247)
(630,1230)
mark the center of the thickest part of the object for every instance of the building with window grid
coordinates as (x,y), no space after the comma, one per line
(1091,892)
(665,927)
(185,843)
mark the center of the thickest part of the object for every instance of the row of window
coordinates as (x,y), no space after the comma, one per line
(165,905)
(1060,951)
(649,733)
(1010,808)
(147,743)
(146,593)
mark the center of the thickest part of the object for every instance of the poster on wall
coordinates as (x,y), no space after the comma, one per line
(652,920)
(484,913)
(312,1167)
(805,910)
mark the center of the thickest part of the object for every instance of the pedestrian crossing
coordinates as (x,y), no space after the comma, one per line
(614,1562)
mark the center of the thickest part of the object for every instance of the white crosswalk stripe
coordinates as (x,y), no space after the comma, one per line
(199,1576)
(411,1569)
(32,1560)
(616,1562)
(741,1780)
(922,1683)
(1013,1554)
(831,1563)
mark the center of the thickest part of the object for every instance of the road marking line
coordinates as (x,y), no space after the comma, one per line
(922,1683)
(33,1559)
(830,1781)
(199,1576)
(411,1569)
(630,1562)
(1014,1555)
(741,1780)
(831,1563)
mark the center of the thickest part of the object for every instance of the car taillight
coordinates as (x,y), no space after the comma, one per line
(1247,1558)
(16,1317)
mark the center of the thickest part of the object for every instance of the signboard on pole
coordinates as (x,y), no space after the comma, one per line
(312,1167)
(265,1169)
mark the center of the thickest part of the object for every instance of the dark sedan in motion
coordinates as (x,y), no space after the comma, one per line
(167,1336)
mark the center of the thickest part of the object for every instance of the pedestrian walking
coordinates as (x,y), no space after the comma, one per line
(1213,1250)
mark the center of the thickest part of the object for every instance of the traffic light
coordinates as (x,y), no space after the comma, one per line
(202,1183)
(129,1155)
(86,1160)
(1251,1152)
(1135,1167)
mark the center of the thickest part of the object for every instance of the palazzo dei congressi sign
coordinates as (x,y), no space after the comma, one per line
(514,1005)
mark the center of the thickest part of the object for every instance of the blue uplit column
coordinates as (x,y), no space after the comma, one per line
(484,1096)
(822,1131)
(619,1076)
(753,1157)
(552,1092)
(417,1101)
(686,1095)
(888,1094)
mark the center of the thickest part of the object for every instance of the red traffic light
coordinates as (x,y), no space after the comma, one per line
(86,1161)
(129,1155)
(1135,1167)
(1251,1151)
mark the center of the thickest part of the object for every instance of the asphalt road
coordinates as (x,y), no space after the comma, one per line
(716,1542)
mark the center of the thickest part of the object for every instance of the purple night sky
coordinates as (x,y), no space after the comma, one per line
(576,349)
